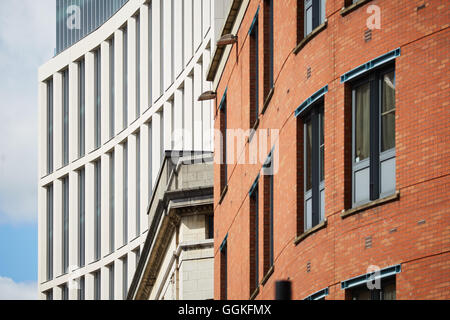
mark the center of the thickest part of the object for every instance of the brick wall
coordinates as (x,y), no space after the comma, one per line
(414,230)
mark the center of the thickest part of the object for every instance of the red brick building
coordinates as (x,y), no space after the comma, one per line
(359,93)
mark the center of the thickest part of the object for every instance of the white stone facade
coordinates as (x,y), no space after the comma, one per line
(176,41)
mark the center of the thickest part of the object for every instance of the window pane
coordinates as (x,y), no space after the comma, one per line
(308,19)
(389,292)
(322,147)
(388,112)
(308,155)
(362,122)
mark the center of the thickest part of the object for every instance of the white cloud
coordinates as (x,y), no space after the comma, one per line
(10,290)
(27,39)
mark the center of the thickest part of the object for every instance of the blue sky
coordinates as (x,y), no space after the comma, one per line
(27,40)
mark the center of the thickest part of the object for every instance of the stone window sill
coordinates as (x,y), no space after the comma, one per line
(311,231)
(267,276)
(353,7)
(372,204)
(310,36)
(267,101)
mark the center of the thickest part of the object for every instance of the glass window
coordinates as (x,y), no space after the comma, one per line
(81,108)
(111,201)
(81,288)
(111,282)
(254,75)
(125,277)
(308,152)
(81,217)
(49,295)
(111,88)
(125,193)
(224,271)
(374,136)
(125,77)
(98,98)
(50,232)
(65,235)
(314,14)
(98,204)
(97,286)
(362,122)
(322,147)
(314,166)
(65,101)
(138,66)
(209,221)
(254,240)
(385,292)
(388,112)
(50,126)
(138,184)
(65,292)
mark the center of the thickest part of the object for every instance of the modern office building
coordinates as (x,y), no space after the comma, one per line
(121,90)
(340,180)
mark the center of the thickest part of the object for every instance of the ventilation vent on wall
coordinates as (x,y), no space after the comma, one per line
(368,242)
(367,35)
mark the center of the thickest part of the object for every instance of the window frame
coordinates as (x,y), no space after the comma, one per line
(376,156)
(223,114)
(314,115)
(254,72)
(81,217)
(254,238)
(82,108)
(224,269)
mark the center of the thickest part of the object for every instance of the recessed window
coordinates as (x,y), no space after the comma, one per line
(386,291)
(65,116)
(81,108)
(224,270)
(49,294)
(125,192)
(313,160)
(125,78)
(98,96)
(209,224)
(50,232)
(254,237)
(268,217)
(125,277)
(223,131)
(138,66)
(98,209)
(112,211)
(138,184)
(97,285)
(64,292)
(111,281)
(50,126)
(81,217)
(65,225)
(373,100)
(81,288)
(310,15)
(254,73)
(268,46)
(112,92)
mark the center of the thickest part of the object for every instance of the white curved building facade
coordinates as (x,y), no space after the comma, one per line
(109,107)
